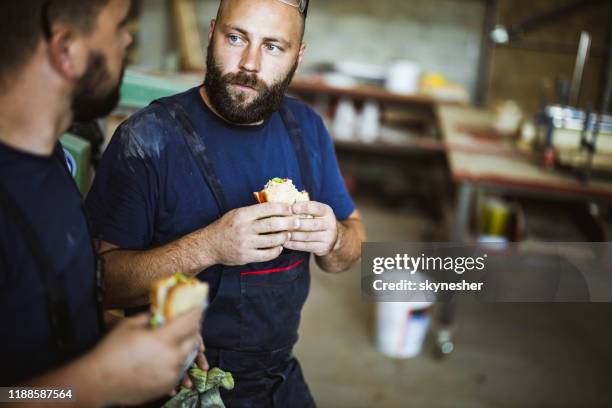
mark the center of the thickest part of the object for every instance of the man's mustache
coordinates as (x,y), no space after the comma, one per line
(244,79)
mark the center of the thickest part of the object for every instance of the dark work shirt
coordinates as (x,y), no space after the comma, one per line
(149,191)
(51,203)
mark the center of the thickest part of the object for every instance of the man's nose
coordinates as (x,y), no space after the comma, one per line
(251,59)
(128,38)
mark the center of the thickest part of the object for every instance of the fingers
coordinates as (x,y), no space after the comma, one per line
(183,327)
(312,247)
(202,348)
(202,362)
(186,382)
(265,255)
(271,240)
(138,321)
(318,236)
(310,208)
(314,225)
(275,224)
(267,210)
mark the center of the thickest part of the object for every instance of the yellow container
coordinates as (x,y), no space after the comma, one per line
(495,218)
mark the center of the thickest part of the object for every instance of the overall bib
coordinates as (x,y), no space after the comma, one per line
(252,321)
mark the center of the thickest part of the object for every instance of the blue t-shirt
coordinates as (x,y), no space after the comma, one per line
(149,190)
(49,199)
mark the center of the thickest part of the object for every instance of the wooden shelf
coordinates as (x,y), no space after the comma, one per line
(359,93)
(414,145)
(410,145)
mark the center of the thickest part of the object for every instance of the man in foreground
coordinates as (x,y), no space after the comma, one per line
(62,60)
(174,192)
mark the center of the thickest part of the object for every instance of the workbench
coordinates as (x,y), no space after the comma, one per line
(481,160)
(494,164)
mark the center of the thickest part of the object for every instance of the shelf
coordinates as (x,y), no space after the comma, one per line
(415,145)
(360,93)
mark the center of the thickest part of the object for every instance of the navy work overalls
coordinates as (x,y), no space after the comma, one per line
(252,321)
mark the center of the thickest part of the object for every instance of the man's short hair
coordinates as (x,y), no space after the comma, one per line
(23,24)
(304,15)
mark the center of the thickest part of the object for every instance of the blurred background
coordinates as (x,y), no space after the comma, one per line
(458,121)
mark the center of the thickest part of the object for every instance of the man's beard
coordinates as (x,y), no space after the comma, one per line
(234,108)
(89,102)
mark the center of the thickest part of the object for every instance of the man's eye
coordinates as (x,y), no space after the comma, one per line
(273,48)
(234,39)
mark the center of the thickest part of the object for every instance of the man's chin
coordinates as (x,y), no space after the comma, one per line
(243,98)
(86,109)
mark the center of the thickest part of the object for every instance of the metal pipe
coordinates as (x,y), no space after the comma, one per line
(581,58)
(484,61)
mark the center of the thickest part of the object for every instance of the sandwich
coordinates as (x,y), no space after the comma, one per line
(176,295)
(280,190)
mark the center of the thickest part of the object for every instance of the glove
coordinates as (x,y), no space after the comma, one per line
(205,392)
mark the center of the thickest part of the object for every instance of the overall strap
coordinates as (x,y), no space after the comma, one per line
(297,139)
(198,149)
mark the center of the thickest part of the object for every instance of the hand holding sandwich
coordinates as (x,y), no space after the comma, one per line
(251,234)
(315,227)
(172,297)
(147,359)
(317,233)
(284,218)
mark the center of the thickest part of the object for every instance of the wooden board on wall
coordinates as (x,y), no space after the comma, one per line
(188,34)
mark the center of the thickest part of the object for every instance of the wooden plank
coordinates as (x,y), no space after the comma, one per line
(188,34)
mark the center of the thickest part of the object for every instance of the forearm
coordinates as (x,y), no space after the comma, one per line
(347,250)
(81,377)
(129,274)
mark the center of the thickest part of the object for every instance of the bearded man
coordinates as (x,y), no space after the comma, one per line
(174,193)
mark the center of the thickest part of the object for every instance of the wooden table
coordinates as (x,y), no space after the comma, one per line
(479,159)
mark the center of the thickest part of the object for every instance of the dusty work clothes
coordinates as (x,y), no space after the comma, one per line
(176,167)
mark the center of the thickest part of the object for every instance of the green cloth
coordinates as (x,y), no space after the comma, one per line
(205,392)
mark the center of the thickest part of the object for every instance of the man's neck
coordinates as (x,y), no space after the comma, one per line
(206,99)
(33,113)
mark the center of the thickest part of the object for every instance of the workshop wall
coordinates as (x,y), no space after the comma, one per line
(519,74)
(441,35)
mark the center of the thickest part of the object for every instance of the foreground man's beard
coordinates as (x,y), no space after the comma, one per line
(233,107)
(89,102)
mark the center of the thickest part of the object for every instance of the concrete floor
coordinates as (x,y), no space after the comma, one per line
(507,355)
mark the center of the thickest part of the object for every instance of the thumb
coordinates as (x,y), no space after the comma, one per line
(137,322)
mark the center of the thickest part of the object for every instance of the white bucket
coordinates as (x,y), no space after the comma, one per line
(401,327)
(403,77)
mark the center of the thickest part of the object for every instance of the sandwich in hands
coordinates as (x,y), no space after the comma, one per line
(280,190)
(173,296)
(176,295)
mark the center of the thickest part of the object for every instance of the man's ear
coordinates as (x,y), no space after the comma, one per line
(301,53)
(68,53)
(211,29)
